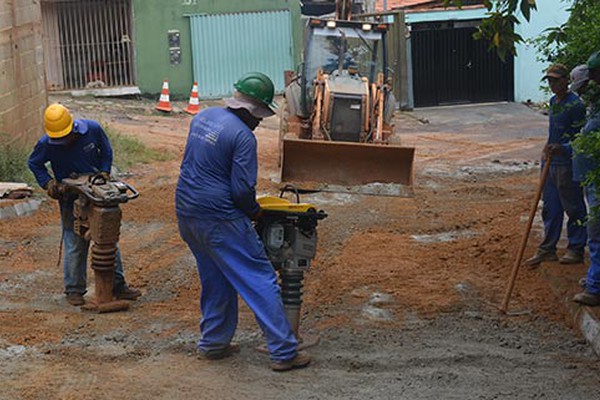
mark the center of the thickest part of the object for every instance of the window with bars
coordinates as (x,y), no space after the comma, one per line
(88,44)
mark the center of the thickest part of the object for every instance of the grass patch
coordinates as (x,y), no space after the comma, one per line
(128,151)
(13,163)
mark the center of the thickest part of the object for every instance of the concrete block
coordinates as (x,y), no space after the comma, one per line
(27,14)
(5,6)
(28,57)
(25,41)
(5,19)
(8,100)
(20,209)
(27,207)
(5,50)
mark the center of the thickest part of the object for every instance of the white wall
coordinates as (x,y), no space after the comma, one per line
(529,71)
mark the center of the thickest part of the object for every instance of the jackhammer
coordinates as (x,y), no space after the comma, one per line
(289,233)
(98,218)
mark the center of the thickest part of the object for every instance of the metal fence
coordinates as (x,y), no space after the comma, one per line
(88,44)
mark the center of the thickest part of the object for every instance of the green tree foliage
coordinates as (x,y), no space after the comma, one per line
(499,26)
(573,42)
(588,145)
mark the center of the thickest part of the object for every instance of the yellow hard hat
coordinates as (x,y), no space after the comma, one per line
(58,121)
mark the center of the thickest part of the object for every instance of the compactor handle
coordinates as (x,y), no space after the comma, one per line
(101,180)
(135,194)
(290,188)
(95,178)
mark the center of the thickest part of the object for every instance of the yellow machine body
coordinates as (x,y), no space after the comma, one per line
(272,203)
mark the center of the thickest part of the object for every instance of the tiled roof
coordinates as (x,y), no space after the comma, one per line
(422,4)
(391,4)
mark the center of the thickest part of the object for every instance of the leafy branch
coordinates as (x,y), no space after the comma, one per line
(499,26)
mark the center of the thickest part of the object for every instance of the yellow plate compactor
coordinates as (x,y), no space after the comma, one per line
(289,233)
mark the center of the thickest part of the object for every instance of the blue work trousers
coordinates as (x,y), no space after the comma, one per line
(231,259)
(563,195)
(593,228)
(76,254)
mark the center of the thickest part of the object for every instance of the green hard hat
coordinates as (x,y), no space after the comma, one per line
(594,61)
(259,87)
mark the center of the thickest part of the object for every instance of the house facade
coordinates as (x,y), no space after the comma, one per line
(131,46)
(445,66)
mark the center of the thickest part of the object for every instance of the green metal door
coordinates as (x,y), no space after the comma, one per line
(226,46)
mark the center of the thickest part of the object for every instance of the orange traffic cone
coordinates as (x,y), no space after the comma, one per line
(194,105)
(164,104)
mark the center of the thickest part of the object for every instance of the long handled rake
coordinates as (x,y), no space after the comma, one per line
(532,212)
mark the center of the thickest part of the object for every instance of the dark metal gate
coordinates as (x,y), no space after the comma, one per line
(450,67)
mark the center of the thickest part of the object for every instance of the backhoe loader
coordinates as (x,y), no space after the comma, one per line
(337,120)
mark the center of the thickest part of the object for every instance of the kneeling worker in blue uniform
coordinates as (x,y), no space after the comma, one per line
(74,147)
(215,202)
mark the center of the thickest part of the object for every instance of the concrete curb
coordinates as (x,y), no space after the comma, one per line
(19,209)
(587,322)
(590,327)
(585,318)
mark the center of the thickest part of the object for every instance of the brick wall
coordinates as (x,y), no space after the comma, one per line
(22,78)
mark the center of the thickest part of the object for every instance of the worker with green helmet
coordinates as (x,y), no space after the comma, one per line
(74,146)
(583,165)
(215,202)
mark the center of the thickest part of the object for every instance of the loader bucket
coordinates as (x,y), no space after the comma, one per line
(345,164)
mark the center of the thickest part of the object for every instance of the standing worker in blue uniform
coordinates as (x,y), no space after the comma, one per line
(215,202)
(561,194)
(74,147)
(582,165)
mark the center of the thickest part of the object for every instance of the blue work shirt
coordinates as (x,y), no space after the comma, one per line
(583,164)
(566,119)
(88,153)
(219,168)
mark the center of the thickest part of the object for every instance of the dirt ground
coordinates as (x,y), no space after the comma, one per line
(403,293)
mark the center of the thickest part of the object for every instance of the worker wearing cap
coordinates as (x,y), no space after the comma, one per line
(74,147)
(580,76)
(582,166)
(215,201)
(561,194)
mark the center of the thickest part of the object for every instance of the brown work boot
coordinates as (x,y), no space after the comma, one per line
(75,299)
(219,354)
(571,257)
(587,299)
(539,256)
(127,293)
(300,361)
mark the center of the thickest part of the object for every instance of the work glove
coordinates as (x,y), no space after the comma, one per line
(104,175)
(555,149)
(550,151)
(54,189)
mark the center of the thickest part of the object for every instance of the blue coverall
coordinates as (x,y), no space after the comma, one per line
(90,152)
(582,165)
(561,193)
(214,200)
